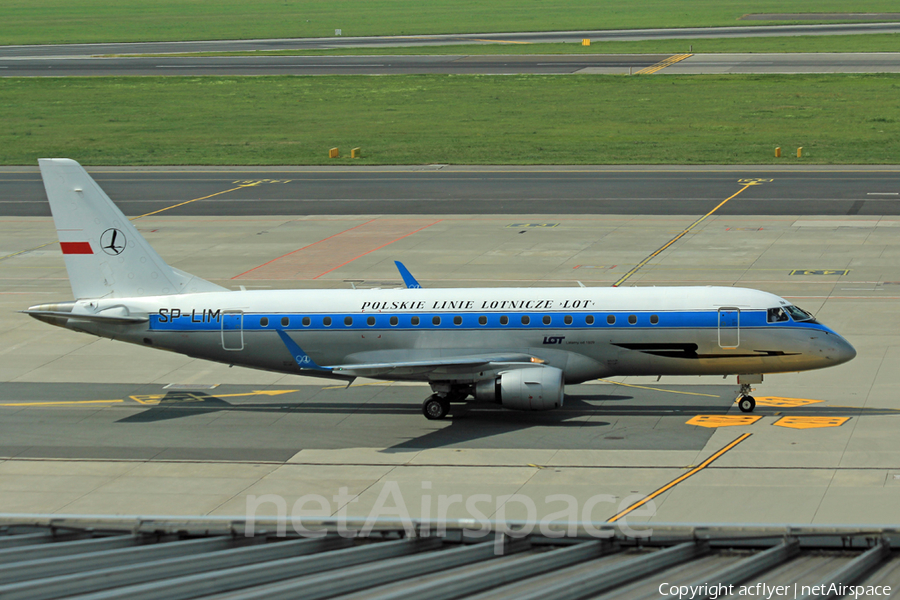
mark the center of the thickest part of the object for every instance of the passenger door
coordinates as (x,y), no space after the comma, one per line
(729,327)
(233,330)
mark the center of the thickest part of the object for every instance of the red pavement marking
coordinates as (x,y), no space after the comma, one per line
(378,248)
(299,249)
(324,256)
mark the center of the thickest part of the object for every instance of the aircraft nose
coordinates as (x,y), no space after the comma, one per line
(839,350)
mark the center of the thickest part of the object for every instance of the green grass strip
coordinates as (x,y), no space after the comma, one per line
(464,119)
(61,21)
(882,42)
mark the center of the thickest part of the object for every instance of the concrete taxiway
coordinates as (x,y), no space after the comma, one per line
(90,426)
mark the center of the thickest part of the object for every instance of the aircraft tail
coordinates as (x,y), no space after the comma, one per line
(105,255)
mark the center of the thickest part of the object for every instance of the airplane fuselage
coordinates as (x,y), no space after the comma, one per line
(585,332)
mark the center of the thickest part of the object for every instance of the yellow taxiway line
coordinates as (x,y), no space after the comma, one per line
(675,482)
(663,64)
(644,387)
(680,235)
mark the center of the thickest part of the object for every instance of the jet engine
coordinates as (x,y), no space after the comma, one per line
(524,389)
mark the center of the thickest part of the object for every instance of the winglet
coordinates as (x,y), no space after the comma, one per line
(408,279)
(300,357)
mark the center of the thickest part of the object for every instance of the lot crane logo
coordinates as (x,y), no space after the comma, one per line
(113,242)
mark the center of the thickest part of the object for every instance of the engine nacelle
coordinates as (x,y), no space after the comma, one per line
(525,389)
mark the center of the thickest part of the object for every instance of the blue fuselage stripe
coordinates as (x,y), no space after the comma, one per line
(217,320)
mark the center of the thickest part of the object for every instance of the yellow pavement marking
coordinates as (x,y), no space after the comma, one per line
(60,403)
(713,421)
(663,64)
(810,422)
(784,402)
(680,235)
(156,212)
(27,250)
(675,482)
(251,184)
(198,397)
(644,387)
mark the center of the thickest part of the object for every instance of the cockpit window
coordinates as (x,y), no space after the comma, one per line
(798,314)
(776,315)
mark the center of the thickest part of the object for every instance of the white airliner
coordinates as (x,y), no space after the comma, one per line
(514,346)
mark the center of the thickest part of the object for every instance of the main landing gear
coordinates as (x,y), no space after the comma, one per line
(437,405)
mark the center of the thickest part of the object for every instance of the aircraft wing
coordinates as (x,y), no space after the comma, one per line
(454,365)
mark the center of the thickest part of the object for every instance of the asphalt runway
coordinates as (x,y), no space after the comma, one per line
(326,65)
(551,64)
(840,190)
(73,50)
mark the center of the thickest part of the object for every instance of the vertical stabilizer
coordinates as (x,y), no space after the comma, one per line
(105,255)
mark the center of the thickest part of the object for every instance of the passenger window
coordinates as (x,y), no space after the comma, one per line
(632,319)
(611,319)
(326,321)
(546,319)
(370,321)
(482,320)
(504,320)
(589,319)
(286,321)
(526,319)
(348,321)
(654,319)
(394,321)
(414,321)
(306,321)
(775,315)
(457,320)
(264,322)
(436,320)
(568,320)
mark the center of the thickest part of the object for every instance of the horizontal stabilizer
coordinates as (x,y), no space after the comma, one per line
(56,314)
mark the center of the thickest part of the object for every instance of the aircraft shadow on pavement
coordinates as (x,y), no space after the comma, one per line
(176,405)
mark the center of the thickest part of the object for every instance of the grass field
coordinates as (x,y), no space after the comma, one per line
(412,119)
(60,21)
(886,42)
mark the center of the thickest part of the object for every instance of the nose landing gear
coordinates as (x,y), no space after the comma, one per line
(747,402)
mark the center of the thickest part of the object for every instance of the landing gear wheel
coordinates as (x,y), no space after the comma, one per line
(747,404)
(435,408)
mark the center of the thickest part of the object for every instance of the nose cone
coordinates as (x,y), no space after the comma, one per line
(836,350)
